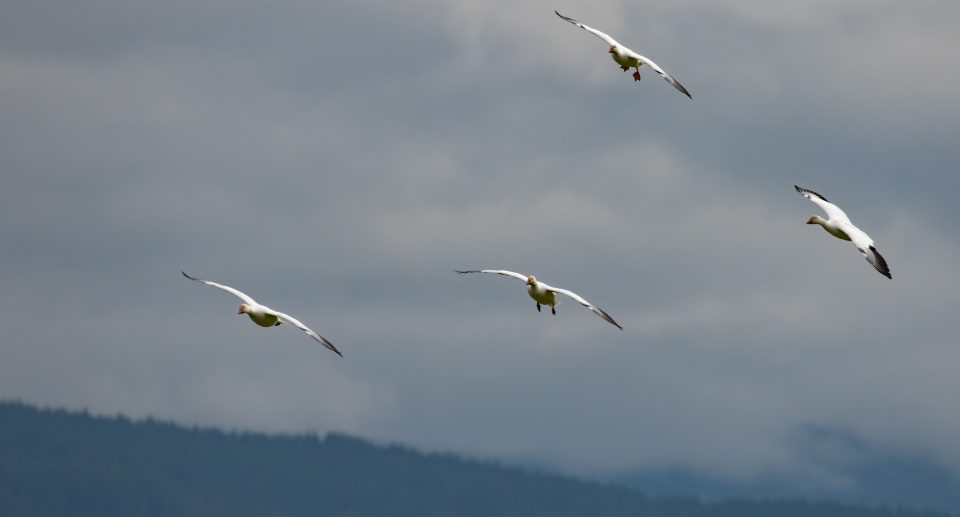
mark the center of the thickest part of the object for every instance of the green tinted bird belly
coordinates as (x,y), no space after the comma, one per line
(264,320)
(542,297)
(625,61)
(838,233)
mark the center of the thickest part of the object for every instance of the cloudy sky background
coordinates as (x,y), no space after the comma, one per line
(338,160)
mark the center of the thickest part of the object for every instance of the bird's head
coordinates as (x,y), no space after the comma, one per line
(531,280)
(613,49)
(244,308)
(814,219)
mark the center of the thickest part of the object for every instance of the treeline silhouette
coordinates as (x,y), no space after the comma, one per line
(59,463)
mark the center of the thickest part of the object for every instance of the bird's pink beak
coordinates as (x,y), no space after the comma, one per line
(611,50)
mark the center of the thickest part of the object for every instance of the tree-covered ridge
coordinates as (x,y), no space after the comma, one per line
(54,462)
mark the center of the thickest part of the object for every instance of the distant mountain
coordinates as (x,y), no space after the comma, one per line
(63,464)
(888,482)
(871,475)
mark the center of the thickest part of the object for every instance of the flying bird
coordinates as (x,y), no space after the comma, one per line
(547,295)
(839,226)
(627,58)
(265,316)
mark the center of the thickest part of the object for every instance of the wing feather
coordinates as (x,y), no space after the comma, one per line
(503,272)
(236,292)
(656,68)
(317,337)
(602,35)
(876,260)
(832,210)
(579,299)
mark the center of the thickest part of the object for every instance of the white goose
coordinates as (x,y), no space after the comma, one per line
(839,226)
(265,316)
(627,58)
(547,295)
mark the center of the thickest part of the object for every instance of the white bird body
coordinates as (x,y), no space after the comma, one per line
(832,227)
(840,226)
(541,293)
(545,294)
(627,58)
(262,315)
(265,316)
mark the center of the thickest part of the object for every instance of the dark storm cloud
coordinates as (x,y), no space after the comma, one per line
(339,161)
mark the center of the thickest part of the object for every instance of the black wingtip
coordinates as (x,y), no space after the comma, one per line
(566,18)
(186,275)
(880,264)
(609,319)
(808,191)
(329,345)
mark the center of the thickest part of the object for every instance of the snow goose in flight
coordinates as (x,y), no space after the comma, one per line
(627,58)
(839,225)
(547,295)
(265,316)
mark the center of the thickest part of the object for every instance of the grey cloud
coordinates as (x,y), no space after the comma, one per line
(339,161)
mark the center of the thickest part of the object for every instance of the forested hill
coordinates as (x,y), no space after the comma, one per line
(59,463)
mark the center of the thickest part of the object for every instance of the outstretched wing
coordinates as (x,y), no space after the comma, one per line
(602,35)
(503,272)
(832,210)
(596,310)
(317,337)
(876,260)
(656,68)
(246,299)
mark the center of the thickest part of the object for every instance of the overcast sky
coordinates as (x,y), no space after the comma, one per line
(338,160)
